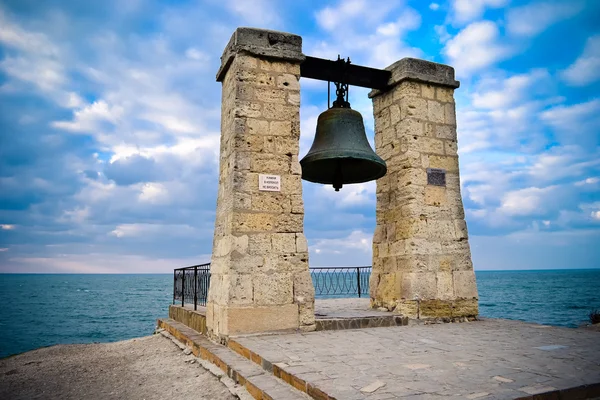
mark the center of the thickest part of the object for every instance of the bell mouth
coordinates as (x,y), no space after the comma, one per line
(320,167)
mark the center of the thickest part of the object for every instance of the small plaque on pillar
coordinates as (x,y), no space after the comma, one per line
(269,183)
(436,176)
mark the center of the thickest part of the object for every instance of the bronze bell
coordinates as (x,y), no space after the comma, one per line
(340,152)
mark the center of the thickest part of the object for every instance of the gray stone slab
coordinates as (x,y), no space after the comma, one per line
(436,361)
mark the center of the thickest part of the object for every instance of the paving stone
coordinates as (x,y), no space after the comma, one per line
(537,389)
(478,395)
(370,388)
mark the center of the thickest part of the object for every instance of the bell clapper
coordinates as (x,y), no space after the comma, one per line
(338,179)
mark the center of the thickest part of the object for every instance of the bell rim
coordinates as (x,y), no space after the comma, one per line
(381,171)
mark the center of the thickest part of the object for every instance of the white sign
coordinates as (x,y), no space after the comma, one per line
(269,183)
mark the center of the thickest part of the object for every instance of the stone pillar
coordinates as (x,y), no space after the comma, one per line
(259,271)
(421,257)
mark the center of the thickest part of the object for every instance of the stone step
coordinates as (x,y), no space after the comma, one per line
(261,384)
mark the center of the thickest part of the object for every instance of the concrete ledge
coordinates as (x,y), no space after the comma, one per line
(261,43)
(414,69)
(194,319)
(260,384)
(334,324)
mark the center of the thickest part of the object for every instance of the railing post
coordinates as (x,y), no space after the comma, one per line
(182,287)
(195,288)
(174,284)
(358,279)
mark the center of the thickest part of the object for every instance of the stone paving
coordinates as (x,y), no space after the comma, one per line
(491,359)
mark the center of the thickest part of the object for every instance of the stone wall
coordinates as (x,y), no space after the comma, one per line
(260,279)
(421,257)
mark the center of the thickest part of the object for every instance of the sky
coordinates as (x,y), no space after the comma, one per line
(110,112)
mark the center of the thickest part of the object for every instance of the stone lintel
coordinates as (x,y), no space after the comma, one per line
(262,43)
(413,69)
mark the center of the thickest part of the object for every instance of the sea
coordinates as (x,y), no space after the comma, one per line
(45,309)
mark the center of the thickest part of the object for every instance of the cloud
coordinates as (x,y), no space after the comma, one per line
(526,202)
(434,6)
(534,18)
(373,36)
(498,94)
(586,69)
(261,13)
(90,118)
(576,123)
(464,11)
(476,47)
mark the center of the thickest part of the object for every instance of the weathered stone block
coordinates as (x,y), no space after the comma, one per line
(451,148)
(445,132)
(280,128)
(288,82)
(289,223)
(415,107)
(460,227)
(270,163)
(409,127)
(411,228)
(445,285)
(418,285)
(279,112)
(435,196)
(271,202)
(435,309)
(254,222)
(259,319)
(270,65)
(301,244)
(464,284)
(257,126)
(284,242)
(450,114)
(386,288)
(297,203)
(244,263)
(292,185)
(406,88)
(240,288)
(444,94)
(465,308)
(428,91)
(293,98)
(260,243)
(435,111)
(422,246)
(273,288)
(248,109)
(440,229)
(269,95)
(407,308)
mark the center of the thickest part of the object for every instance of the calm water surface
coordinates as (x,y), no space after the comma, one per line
(42,310)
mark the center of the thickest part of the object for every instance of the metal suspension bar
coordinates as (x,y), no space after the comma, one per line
(351,74)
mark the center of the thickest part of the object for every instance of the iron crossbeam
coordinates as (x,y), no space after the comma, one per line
(334,71)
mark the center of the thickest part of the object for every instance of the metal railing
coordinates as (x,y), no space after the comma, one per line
(190,284)
(341,281)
